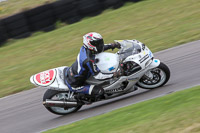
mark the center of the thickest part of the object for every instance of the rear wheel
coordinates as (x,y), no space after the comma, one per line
(159,77)
(58,95)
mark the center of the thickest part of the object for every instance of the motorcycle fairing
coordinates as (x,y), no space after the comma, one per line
(155,63)
(53,78)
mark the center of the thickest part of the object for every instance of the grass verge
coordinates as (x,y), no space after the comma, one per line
(159,24)
(175,113)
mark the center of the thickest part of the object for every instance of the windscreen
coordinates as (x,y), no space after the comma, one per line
(128,48)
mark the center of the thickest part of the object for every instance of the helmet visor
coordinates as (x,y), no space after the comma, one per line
(99,44)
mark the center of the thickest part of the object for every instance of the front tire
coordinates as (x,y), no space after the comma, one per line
(58,95)
(161,75)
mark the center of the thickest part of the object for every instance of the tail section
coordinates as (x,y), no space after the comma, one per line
(51,78)
(45,78)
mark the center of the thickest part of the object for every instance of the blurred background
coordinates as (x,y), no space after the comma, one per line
(44,15)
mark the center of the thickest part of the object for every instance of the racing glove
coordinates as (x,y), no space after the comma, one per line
(115,45)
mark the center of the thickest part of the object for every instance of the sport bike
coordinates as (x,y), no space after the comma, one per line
(134,58)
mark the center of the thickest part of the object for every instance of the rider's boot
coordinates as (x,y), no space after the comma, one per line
(83,98)
(97,93)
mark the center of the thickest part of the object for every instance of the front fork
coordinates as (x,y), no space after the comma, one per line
(148,75)
(155,63)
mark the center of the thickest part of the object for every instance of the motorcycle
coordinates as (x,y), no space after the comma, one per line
(140,69)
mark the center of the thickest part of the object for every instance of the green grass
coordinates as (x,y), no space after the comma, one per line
(10,7)
(160,24)
(175,113)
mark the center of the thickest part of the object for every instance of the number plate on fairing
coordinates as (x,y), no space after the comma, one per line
(45,78)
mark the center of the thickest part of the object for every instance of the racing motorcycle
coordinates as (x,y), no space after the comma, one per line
(140,69)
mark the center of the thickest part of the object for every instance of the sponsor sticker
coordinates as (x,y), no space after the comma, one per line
(150,54)
(111,68)
(45,78)
(144,58)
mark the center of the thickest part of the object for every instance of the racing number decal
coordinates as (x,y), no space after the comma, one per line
(45,78)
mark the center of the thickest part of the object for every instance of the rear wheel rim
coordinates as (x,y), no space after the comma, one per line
(60,110)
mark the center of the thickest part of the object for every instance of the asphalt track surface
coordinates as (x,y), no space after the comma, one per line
(24,112)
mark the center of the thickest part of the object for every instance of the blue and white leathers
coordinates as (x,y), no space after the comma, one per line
(82,69)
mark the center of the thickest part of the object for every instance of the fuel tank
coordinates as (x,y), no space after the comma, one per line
(107,62)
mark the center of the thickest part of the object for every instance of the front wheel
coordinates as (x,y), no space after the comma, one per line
(159,77)
(57,95)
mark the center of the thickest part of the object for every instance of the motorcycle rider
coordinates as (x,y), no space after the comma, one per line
(85,66)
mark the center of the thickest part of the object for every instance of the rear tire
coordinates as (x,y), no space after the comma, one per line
(52,94)
(161,75)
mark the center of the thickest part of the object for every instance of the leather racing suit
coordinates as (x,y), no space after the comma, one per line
(82,69)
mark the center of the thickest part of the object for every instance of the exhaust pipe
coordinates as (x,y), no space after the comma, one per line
(57,103)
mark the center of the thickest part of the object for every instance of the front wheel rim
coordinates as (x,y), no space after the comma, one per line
(159,74)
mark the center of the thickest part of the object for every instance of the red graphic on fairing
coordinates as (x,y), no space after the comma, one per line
(45,78)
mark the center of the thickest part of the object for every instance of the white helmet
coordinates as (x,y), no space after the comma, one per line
(94,42)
